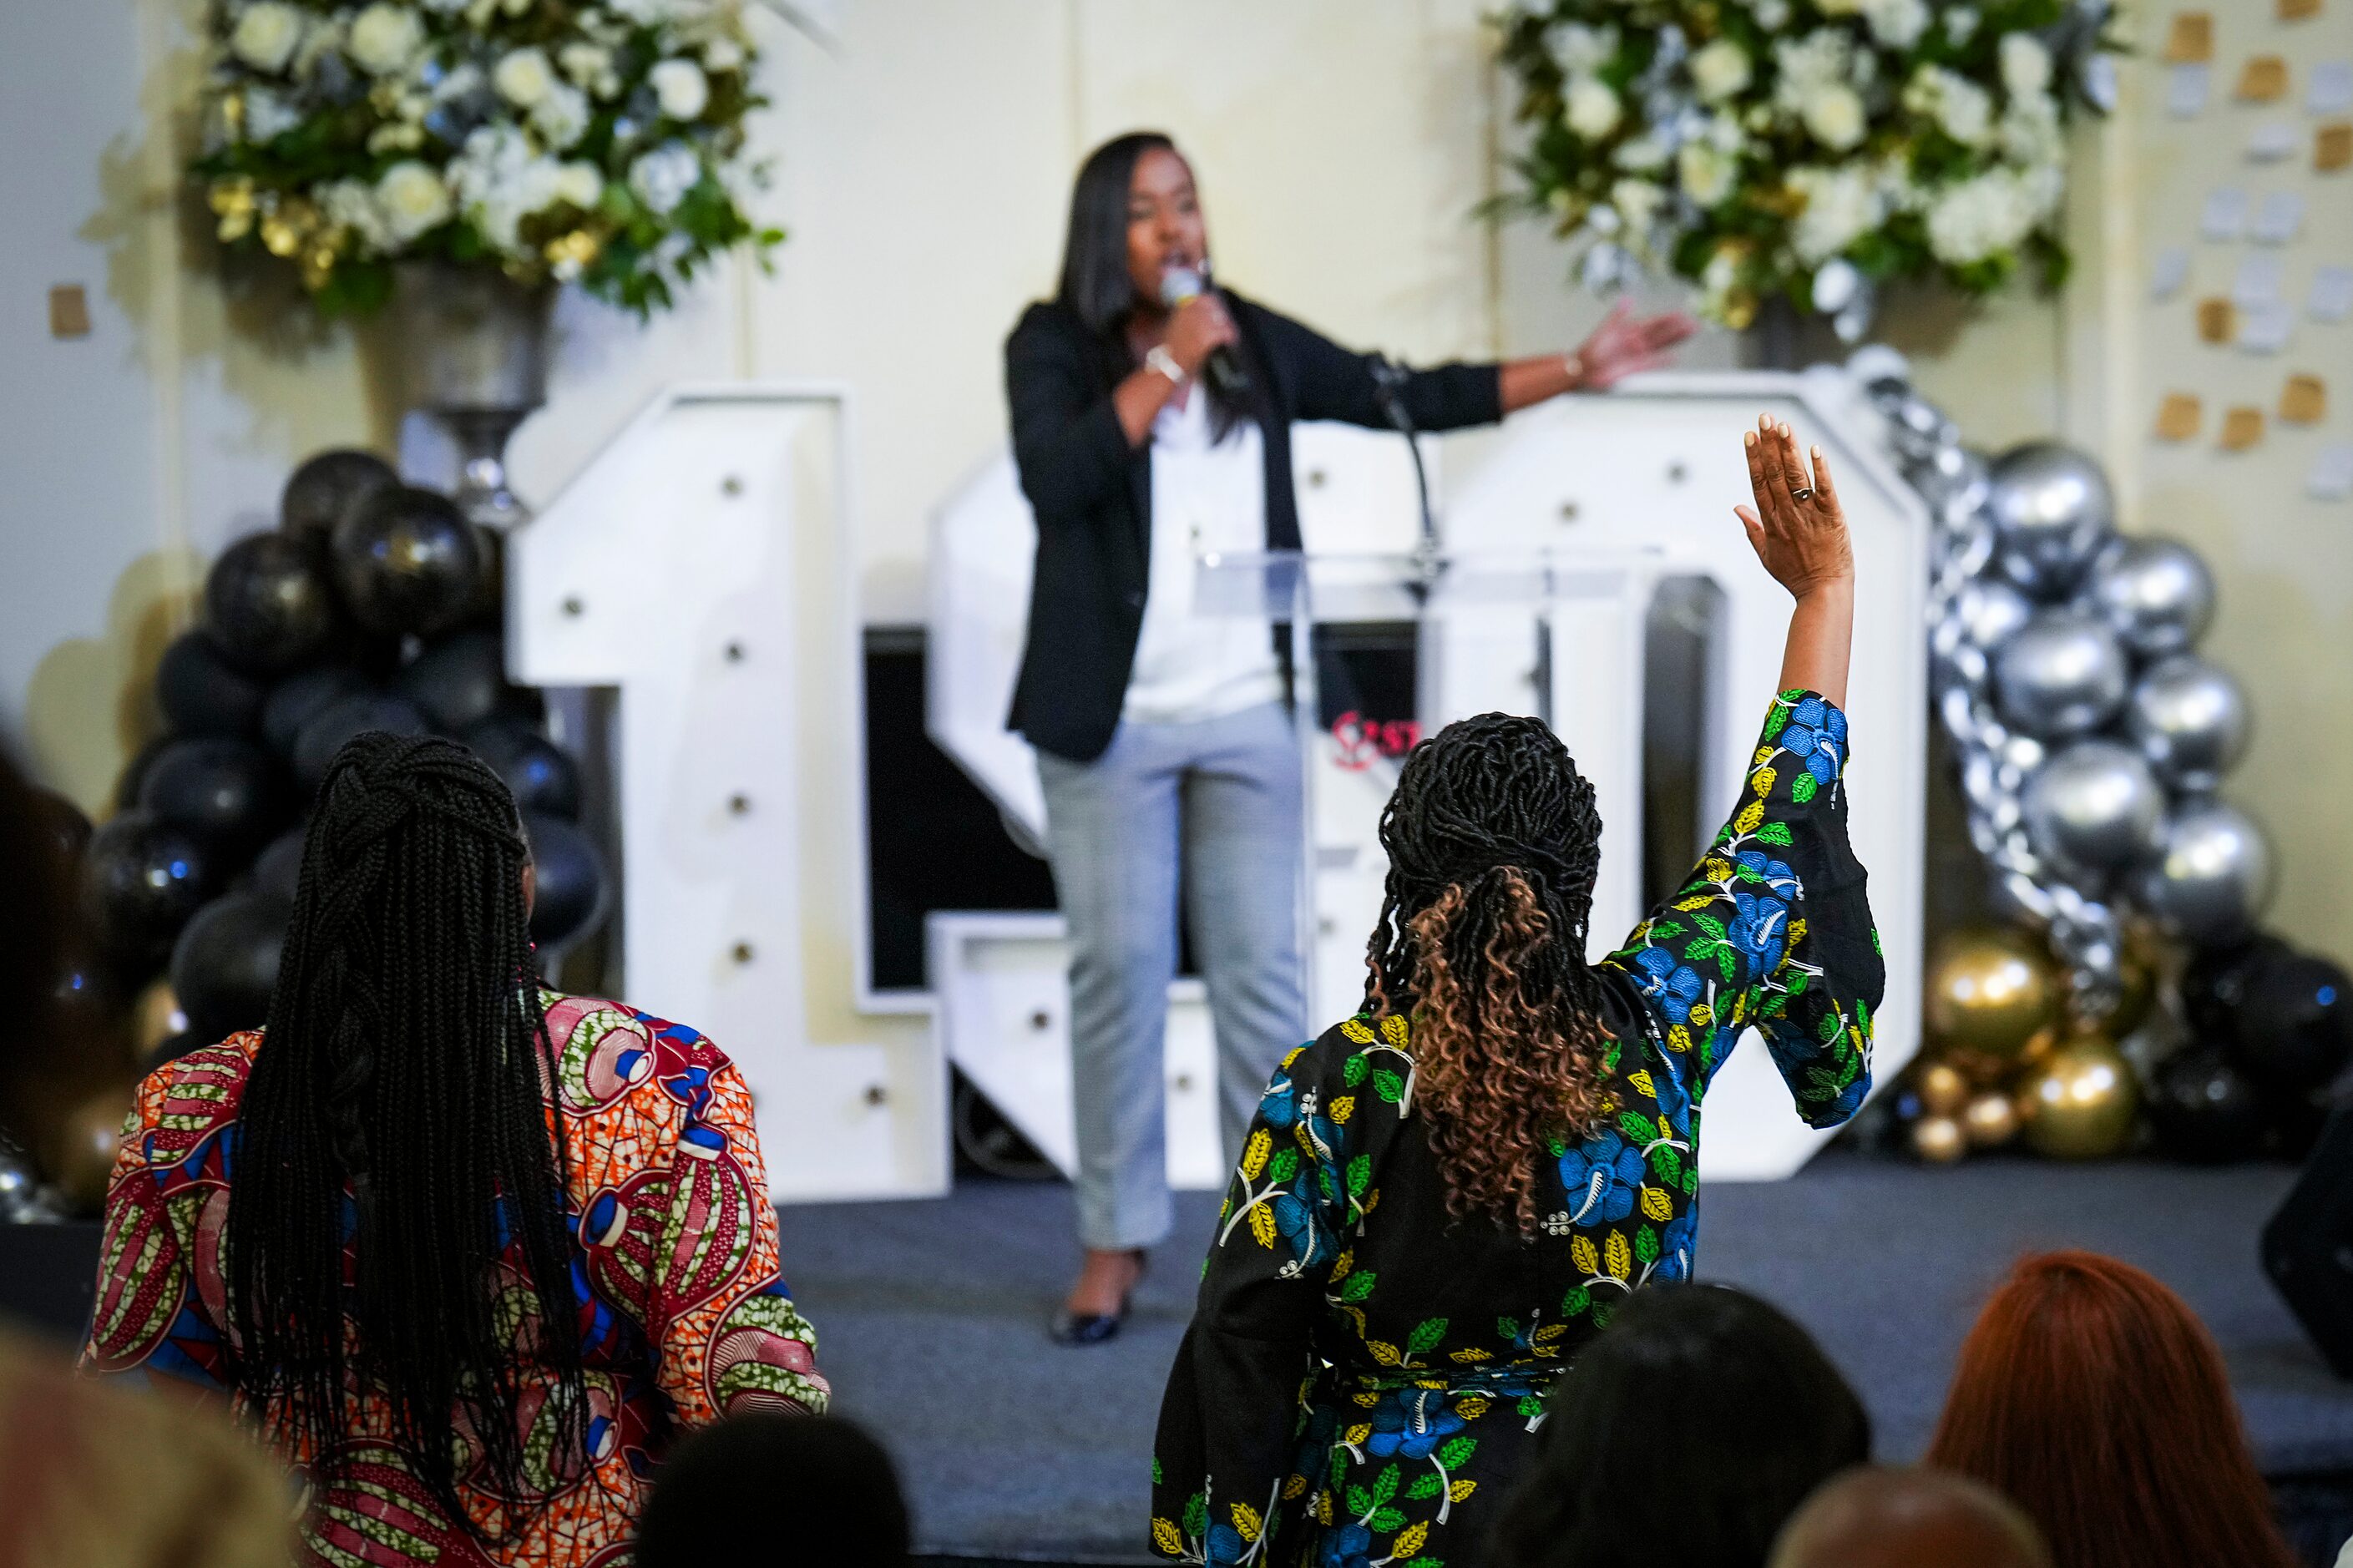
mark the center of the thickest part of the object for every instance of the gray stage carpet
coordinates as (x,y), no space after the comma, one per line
(931,1321)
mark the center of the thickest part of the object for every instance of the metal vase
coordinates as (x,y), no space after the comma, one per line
(474,346)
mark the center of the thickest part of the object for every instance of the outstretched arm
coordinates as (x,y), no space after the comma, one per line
(1620,346)
(1800,533)
(1773,927)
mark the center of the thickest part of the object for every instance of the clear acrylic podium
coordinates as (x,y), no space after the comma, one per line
(1523,631)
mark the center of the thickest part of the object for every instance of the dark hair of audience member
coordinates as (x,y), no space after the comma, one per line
(1686,1433)
(405,1060)
(1493,841)
(834,1484)
(1879,1517)
(2091,1395)
(38,912)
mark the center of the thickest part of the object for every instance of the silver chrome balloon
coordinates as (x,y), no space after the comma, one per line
(2062,673)
(1919,428)
(1991,612)
(2156,592)
(2189,718)
(2211,877)
(2052,511)
(19,1187)
(2094,807)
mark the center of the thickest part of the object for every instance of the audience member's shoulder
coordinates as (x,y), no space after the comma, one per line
(608,1051)
(1354,1048)
(192,1094)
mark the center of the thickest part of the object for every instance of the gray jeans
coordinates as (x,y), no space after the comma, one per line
(1220,798)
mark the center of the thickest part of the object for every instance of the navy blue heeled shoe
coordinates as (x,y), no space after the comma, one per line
(1070,1328)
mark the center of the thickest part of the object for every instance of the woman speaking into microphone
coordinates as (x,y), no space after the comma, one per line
(1151,424)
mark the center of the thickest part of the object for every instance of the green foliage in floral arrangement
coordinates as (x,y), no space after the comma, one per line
(1806,149)
(555,141)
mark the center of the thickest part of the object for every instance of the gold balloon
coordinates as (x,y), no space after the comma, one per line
(2080,1103)
(1939,1139)
(1989,1119)
(1943,1090)
(155,1018)
(83,1146)
(2137,968)
(1992,999)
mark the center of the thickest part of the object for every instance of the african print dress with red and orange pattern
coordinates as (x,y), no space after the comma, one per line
(682,1319)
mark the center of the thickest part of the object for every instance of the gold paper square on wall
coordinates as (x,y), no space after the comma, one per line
(2178,416)
(2332,145)
(2304,400)
(2242,427)
(2191,39)
(2218,320)
(2263,79)
(2297,10)
(69,311)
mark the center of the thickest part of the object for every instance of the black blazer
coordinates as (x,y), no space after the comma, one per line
(1092,491)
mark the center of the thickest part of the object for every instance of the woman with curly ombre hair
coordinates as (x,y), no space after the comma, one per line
(1444,1197)
(2092,1394)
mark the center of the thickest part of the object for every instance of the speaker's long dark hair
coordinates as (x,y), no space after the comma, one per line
(398,1100)
(1095,283)
(1493,841)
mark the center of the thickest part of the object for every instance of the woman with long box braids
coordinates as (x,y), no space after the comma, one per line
(465,1252)
(1443,1198)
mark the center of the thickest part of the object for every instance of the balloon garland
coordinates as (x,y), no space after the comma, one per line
(2090,740)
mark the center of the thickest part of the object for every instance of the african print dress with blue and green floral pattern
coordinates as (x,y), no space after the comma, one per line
(1364,1375)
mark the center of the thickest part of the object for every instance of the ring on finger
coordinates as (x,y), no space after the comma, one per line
(1802,493)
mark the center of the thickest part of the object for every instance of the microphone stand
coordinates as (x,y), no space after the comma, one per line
(1388,387)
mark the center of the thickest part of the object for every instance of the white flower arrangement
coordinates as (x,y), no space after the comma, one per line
(554,139)
(1806,149)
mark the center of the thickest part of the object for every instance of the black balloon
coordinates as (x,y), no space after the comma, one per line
(202,693)
(329,484)
(2202,1108)
(135,771)
(334,725)
(277,870)
(569,882)
(87,999)
(407,560)
(302,696)
(142,879)
(68,829)
(2293,1031)
(488,606)
(460,682)
(266,604)
(225,963)
(2297,1124)
(2215,982)
(231,794)
(544,779)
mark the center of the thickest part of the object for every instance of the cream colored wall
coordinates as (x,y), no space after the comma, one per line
(2283,561)
(923,166)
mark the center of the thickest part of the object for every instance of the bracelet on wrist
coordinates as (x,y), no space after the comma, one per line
(1161,359)
(1574,364)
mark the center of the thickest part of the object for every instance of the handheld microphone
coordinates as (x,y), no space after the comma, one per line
(1224,368)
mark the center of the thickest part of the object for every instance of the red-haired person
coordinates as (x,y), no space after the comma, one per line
(2091,1395)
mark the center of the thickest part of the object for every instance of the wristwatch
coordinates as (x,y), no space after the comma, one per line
(1161,359)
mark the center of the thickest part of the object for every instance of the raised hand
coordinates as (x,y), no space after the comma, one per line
(1797,527)
(1800,533)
